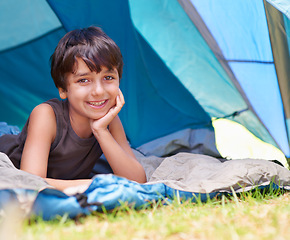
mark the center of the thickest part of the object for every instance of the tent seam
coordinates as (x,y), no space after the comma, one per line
(250,61)
(31,41)
(186,4)
(161,95)
(267,15)
(63,26)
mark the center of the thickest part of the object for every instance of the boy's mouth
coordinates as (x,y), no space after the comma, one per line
(97,103)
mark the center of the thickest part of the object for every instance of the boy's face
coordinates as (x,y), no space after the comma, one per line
(91,95)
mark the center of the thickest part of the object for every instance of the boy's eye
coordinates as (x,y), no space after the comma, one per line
(108,78)
(83,80)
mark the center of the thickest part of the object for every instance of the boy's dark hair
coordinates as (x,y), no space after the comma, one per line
(92,45)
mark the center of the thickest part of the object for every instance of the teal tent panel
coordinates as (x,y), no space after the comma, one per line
(25,78)
(257,80)
(22,21)
(242,34)
(165,26)
(157,104)
(239,27)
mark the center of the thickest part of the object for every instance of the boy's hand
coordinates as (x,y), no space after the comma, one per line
(102,123)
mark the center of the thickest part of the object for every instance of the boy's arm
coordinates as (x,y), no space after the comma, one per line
(40,135)
(114,144)
(63,184)
(118,152)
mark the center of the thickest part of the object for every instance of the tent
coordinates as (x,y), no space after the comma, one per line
(187,62)
(226,58)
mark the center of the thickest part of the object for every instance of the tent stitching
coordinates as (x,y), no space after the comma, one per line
(31,41)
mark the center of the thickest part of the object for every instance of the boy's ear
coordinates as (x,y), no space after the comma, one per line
(62,93)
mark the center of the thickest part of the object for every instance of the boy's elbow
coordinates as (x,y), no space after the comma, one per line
(142,176)
(138,175)
(142,179)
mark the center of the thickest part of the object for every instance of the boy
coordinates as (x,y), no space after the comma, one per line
(62,140)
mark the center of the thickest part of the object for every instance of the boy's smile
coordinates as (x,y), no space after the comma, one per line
(90,94)
(97,103)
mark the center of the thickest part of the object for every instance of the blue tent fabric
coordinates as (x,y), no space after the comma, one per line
(252,60)
(144,30)
(29,30)
(186,62)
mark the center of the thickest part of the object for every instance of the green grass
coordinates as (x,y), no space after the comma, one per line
(252,215)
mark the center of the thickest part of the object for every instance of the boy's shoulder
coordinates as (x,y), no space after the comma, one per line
(52,106)
(42,109)
(60,108)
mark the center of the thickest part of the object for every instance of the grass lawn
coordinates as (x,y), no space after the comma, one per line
(249,216)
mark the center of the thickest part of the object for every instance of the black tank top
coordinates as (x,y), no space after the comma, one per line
(70,157)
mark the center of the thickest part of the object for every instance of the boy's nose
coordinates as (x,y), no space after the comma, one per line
(97,89)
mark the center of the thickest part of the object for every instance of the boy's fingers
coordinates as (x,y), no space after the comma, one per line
(113,112)
(122,99)
(119,104)
(117,108)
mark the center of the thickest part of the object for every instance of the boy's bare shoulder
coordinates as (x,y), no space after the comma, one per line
(42,119)
(43,108)
(43,112)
